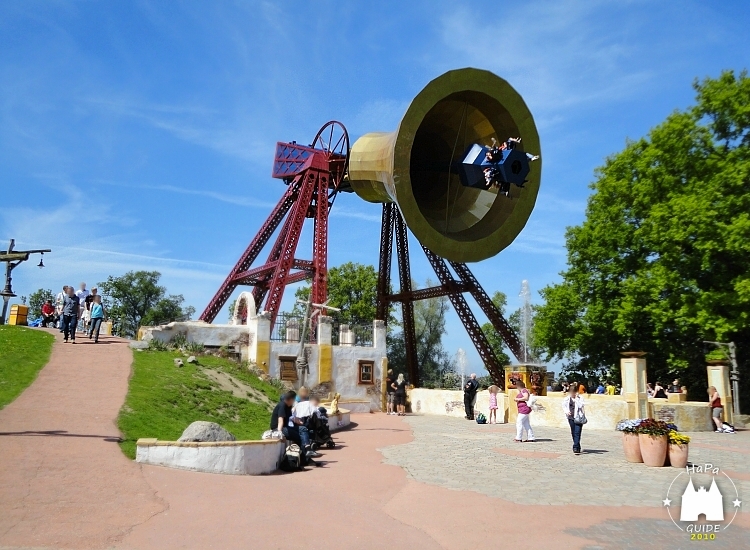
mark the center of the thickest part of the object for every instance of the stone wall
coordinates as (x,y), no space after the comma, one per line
(222,457)
(602,411)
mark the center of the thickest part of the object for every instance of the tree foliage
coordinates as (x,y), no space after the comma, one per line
(662,260)
(433,361)
(493,336)
(36,301)
(136,299)
(352,288)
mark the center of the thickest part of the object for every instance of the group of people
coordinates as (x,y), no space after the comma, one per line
(658,391)
(75,310)
(294,417)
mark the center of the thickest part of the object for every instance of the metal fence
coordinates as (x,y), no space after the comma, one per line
(353,335)
(288,329)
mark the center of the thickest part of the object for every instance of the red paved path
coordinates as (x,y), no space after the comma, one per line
(77,490)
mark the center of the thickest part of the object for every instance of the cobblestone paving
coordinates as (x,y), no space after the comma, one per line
(647,534)
(459,454)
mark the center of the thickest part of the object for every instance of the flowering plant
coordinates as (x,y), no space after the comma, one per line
(676,438)
(628,426)
(653,427)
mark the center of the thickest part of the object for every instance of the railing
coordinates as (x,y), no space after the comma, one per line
(354,335)
(288,329)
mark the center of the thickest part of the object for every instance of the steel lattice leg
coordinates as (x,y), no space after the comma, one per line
(384,266)
(407,306)
(467,318)
(490,310)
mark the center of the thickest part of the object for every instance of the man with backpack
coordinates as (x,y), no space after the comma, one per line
(470,392)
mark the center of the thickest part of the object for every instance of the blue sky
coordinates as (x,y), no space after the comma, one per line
(138,135)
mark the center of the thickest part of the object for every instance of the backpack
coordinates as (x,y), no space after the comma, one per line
(292,459)
(481,419)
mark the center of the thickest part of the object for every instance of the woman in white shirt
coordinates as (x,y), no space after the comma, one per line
(572,406)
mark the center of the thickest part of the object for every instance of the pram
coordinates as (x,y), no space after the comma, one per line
(320,434)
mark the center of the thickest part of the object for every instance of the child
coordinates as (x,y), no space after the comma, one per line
(97,316)
(493,404)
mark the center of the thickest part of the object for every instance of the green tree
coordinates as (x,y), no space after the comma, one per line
(36,301)
(662,260)
(136,298)
(352,288)
(433,361)
(493,336)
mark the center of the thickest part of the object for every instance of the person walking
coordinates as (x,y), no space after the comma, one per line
(470,392)
(82,294)
(59,303)
(717,409)
(523,423)
(70,315)
(97,317)
(399,387)
(573,407)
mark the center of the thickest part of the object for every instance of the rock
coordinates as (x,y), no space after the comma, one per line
(192,359)
(742,420)
(178,362)
(206,431)
(138,344)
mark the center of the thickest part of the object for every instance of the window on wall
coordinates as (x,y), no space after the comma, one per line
(366,370)
(288,370)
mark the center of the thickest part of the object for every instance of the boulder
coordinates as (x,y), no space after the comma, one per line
(178,362)
(192,359)
(206,431)
(138,344)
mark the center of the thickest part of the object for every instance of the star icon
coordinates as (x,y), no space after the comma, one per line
(667,502)
(737,503)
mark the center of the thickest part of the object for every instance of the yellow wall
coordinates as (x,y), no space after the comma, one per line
(325,366)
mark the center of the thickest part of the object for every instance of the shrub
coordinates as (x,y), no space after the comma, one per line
(178,341)
(195,347)
(156,345)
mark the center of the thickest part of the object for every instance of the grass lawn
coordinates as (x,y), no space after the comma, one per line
(23,353)
(164,399)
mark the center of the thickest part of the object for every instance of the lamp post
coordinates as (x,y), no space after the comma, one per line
(734,376)
(12,259)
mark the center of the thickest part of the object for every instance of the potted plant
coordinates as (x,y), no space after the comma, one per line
(630,444)
(678,449)
(653,436)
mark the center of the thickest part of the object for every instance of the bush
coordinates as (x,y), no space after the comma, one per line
(156,345)
(195,347)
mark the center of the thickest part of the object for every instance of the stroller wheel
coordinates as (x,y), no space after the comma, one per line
(330,444)
(314,446)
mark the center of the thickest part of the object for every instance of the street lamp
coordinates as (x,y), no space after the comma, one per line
(734,376)
(12,259)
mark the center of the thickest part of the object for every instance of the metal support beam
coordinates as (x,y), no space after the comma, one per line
(407,308)
(454,287)
(384,265)
(491,311)
(478,337)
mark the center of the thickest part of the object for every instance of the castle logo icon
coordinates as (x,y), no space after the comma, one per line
(695,503)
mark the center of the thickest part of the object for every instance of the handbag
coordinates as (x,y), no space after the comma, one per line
(580,418)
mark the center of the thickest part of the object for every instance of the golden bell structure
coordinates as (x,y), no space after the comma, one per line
(417,166)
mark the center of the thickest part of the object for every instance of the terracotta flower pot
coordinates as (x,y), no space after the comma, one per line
(678,455)
(632,447)
(653,449)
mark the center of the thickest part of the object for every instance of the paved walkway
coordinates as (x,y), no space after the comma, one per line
(447,483)
(64,482)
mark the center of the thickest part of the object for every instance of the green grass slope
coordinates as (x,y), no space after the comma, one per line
(164,399)
(23,353)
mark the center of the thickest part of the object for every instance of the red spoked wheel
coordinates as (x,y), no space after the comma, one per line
(334,140)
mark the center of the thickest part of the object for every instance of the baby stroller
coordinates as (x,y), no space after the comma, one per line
(320,434)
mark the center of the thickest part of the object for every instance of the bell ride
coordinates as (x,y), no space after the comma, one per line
(461,172)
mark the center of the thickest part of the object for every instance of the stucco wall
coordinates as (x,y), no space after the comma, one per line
(602,411)
(226,457)
(451,402)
